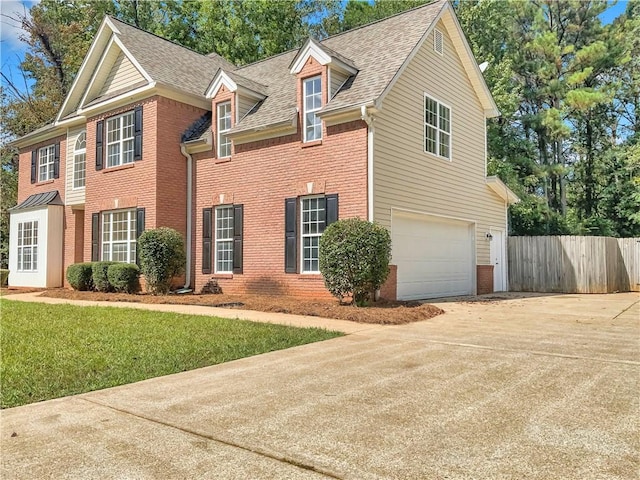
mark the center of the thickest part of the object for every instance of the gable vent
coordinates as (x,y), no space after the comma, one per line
(438,41)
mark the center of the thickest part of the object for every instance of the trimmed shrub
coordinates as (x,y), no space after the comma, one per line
(124,277)
(354,258)
(162,257)
(4,277)
(80,276)
(100,276)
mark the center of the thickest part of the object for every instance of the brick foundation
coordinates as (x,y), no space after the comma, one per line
(389,290)
(485,279)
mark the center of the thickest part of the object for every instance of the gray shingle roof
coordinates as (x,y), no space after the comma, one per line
(39,199)
(197,128)
(169,63)
(378,51)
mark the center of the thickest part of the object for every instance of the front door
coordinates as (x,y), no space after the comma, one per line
(498,260)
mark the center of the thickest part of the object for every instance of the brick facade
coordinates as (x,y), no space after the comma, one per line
(485,279)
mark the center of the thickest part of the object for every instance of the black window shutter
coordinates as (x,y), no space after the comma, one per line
(34,165)
(290,235)
(207,228)
(332,209)
(95,237)
(56,161)
(237,238)
(139,230)
(137,132)
(99,144)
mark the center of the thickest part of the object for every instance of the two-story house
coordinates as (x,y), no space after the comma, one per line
(385,122)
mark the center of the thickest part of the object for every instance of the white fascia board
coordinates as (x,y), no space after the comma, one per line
(247,92)
(133,60)
(311,49)
(123,99)
(96,72)
(501,189)
(463,49)
(82,71)
(409,58)
(182,97)
(220,80)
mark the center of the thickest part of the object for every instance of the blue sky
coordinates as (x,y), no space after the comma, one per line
(12,50)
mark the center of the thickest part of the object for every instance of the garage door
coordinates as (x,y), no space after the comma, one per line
(434,256)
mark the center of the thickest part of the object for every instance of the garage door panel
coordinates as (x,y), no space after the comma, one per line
(434,256)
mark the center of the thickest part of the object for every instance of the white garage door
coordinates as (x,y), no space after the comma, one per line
(434,256)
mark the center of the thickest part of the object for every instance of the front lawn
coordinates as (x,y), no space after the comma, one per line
(50,351)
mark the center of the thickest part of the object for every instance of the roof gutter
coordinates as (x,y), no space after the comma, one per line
(183,150)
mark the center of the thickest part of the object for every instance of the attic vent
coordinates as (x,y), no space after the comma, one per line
(438,41)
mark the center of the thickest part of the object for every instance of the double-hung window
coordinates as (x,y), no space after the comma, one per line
(312,102)
(119,236)
(224,125)
(313,222)
(46,158)
(437,128)
(28,246)
(120,140)
(224,239)
(80,161)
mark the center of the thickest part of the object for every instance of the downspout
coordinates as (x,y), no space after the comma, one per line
(183,150)
(368,119)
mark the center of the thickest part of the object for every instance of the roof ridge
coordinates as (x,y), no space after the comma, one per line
(208,55)
(425,5)
(342,33)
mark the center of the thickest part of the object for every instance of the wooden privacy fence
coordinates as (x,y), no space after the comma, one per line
(571,264)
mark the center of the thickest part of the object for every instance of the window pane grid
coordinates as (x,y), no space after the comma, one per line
(437,129)
(120,140)
(119,236)
(27,246)
(224,125)
(313,220)
(312,103)
(224,239)
(46,157)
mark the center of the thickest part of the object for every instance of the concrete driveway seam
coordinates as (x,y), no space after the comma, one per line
(219,438)
(626,309)
(535,352)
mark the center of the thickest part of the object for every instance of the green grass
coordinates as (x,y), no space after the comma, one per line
(50,351)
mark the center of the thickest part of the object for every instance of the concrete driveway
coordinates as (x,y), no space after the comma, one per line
(521,388)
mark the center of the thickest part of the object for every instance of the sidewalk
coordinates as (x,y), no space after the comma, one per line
(252,315)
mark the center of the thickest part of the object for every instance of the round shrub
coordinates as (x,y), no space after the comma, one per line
(124,277)
(162,257)
(354,258)
(100,276)
(80,276)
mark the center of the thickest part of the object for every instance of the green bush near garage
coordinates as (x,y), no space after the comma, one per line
(80,276)
(100,275)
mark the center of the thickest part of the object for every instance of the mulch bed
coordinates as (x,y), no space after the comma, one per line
(381,312)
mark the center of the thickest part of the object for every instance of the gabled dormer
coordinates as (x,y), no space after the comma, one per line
(320,73)
(232,98)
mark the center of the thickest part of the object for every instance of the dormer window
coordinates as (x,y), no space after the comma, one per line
(312,102)
(224,125)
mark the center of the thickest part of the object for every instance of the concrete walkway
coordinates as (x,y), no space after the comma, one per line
(520,388)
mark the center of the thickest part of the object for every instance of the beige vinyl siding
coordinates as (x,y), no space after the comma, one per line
(77,196)
(337,79)
(405,177)
(245,104)
(122,75)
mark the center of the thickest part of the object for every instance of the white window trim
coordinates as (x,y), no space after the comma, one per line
(122,139)
(222,132)
(222,240)
(76,153)
(131,235)
(305,111)
(20,248)
(50,152)
(437,127)
(437,32)
(303,235)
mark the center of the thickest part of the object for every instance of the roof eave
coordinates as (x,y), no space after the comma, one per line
(501,189)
